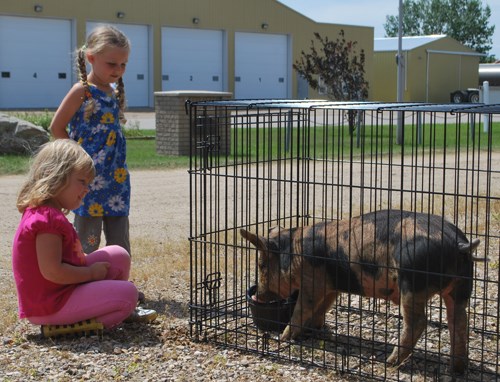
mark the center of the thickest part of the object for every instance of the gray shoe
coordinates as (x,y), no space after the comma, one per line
(142,315)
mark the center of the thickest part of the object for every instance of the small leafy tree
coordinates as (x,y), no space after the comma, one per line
(337,63)
(464,20)
(340,68)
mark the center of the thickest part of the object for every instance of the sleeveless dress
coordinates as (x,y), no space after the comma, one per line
(99,132)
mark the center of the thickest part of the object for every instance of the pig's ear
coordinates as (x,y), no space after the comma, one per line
(257,241)
(274,229)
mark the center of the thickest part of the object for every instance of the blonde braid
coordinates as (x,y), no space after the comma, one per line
(82,73)
(81,63)
(120,95)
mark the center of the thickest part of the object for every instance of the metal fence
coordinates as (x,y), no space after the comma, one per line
(262,163)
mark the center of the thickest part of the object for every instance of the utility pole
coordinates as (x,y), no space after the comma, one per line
(401,79)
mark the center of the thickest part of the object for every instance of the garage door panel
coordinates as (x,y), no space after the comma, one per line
(192,59)
(261,65)
(27,71)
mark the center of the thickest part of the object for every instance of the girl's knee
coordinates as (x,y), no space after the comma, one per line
(118,258)
(117,250)
(115,253)
(132,292)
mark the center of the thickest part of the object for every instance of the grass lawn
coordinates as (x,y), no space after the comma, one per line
(323,142)
(141,154)
(327,142)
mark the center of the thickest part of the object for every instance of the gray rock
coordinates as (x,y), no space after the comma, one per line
(20,137)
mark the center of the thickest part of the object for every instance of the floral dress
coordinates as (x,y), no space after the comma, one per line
(99,132)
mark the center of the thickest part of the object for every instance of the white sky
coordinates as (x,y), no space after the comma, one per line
(372,13)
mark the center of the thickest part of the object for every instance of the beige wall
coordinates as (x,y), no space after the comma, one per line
(384,82)
(430,77)
(228,15)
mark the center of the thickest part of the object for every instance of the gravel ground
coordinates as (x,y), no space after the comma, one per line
(163,351)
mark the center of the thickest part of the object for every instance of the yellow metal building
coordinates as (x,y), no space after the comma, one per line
(434,67)
(239,46)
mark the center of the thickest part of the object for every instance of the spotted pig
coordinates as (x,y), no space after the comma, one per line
(400,256)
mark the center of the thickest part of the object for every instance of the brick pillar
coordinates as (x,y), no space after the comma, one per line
(172,122)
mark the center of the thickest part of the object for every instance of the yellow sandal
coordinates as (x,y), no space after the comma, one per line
(85,327)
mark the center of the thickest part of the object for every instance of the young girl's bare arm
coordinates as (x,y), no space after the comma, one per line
(49,254)
(69,106)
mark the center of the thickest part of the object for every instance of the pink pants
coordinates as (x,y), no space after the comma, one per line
(109,301)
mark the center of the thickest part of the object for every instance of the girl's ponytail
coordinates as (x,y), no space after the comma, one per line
(81,65)
(82,74)
(120,95)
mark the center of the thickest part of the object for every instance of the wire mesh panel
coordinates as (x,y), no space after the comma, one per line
(351,236)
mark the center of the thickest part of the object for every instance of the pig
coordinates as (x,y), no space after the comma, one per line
(401,256)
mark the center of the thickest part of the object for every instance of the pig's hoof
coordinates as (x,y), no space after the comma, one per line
(393,360)
(286,335)
(458,366)
(291,333)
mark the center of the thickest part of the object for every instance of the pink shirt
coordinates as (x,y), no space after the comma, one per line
(38,296)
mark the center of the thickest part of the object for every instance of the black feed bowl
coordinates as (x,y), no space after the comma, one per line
(272,316)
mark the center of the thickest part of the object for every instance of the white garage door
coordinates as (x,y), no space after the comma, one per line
(192,59)
(137,78)
(261,66)
(36,63)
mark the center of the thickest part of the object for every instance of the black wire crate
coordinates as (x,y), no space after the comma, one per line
(361,224)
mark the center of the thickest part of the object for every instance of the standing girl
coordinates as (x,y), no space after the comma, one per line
(94,110)
(57,284)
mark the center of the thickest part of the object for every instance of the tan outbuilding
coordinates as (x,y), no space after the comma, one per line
(434,67)
(243,47)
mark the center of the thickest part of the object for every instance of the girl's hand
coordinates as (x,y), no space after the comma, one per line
(99,270)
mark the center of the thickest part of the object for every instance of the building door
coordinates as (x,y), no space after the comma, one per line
(193,59)
(36,62)
(261,66)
